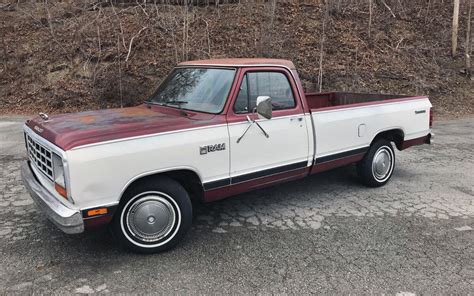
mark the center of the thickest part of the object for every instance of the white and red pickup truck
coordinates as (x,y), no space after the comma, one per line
(212,129)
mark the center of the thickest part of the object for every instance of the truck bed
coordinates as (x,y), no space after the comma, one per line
(340,128)
(317,101)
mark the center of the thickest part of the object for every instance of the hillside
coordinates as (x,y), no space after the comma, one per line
(79,55)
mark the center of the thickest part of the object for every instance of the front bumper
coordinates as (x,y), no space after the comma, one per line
(67,219)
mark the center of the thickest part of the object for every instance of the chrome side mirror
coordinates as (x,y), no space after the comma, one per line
(264,110)
(264,107)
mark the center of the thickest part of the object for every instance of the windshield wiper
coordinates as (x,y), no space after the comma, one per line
(179,103)
(176,102)
(166,103)
(153,103)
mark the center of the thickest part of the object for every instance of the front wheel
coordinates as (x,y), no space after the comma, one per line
(376,168)
(153,216)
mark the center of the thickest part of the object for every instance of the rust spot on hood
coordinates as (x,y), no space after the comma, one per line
(88,118)
(135,111)
(70,130)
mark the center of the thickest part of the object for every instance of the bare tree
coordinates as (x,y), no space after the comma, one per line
(208,39)
(468,40)
(370,16)
(321,48)
(186,20)
(131,42)
(454,36)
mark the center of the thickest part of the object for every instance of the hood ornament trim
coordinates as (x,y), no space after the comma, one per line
(44,116)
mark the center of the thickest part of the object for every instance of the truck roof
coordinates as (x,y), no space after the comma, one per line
(239,62)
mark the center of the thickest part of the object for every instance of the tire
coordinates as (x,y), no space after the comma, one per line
(153,216)
(377,166)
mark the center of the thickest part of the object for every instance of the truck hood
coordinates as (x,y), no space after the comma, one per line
(68,131)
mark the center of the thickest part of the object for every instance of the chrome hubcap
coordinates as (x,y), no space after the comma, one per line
(382,164)
(151,218)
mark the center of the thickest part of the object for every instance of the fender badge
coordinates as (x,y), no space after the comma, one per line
(211,148)
(38,129)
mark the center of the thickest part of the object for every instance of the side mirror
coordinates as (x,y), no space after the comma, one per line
(264,107)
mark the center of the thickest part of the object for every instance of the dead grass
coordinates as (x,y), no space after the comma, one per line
(71,56)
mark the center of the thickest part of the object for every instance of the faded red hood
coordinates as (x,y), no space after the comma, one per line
(76,129)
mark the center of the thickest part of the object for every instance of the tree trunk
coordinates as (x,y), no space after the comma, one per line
(454,36)
(321,48)
(370,16)
(468,40)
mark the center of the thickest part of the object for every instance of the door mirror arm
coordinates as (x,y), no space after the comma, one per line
(263,109)
(258,124)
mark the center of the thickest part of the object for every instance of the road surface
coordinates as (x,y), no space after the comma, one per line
(326,234)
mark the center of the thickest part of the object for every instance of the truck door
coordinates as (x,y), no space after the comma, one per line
(285,152)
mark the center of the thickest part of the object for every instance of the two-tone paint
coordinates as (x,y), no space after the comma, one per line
(107,150)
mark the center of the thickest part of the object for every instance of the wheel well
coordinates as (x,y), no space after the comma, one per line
(187,178)
(395,135)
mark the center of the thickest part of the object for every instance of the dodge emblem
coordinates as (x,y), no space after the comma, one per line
(38,129)
(211,148)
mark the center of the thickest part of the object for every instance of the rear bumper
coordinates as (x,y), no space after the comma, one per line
(67,219)
(428,139)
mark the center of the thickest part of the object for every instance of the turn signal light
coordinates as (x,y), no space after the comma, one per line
(61,190)
(95,212)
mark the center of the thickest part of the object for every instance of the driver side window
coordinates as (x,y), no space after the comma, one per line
(273,84)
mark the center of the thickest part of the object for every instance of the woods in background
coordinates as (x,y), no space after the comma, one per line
(455,29)
(72,55)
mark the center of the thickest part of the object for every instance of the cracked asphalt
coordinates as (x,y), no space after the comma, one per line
(325,234)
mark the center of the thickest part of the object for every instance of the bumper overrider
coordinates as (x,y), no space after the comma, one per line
(67,219)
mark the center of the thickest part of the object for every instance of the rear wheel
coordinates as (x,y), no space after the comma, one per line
(153,216)
(376,168)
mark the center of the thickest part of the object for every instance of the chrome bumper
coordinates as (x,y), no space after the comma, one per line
(67,219)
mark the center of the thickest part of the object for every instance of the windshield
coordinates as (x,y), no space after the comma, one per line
(196,89)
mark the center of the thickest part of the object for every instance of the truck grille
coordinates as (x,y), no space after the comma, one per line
(40,156)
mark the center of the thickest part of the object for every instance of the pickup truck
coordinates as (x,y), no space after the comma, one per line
(212,129)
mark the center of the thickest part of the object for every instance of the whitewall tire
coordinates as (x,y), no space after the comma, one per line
(153,215)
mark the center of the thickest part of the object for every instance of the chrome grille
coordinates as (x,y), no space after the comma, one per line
(40,156)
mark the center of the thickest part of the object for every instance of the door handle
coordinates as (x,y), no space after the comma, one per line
(298,118)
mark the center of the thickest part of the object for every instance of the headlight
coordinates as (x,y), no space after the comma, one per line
(59,177)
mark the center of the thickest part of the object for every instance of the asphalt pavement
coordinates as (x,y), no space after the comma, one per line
(326,234)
